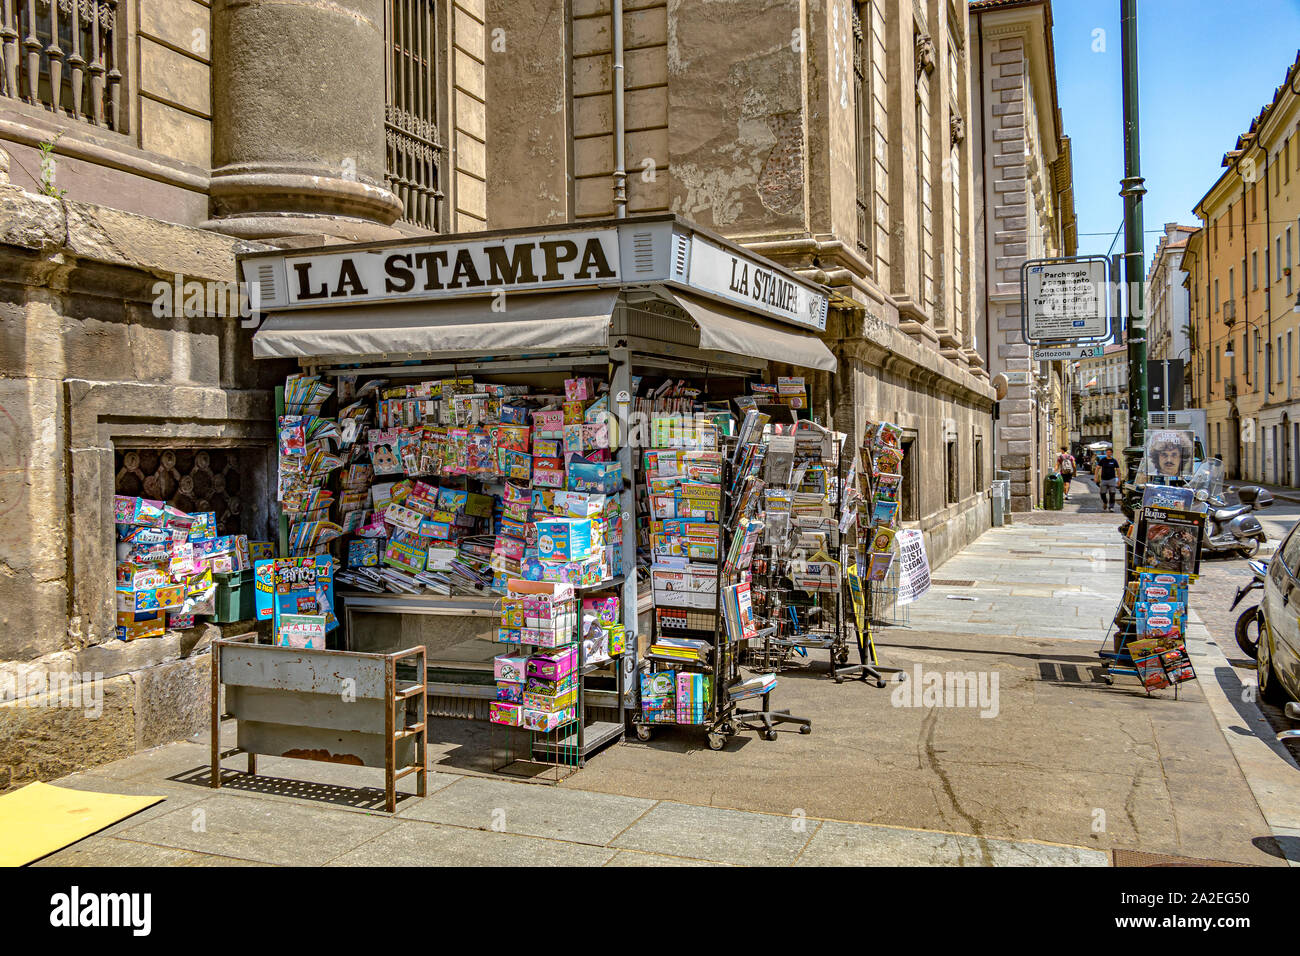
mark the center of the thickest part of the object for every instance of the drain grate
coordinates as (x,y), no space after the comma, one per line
(946,583)
(1063,672)
(1143,858)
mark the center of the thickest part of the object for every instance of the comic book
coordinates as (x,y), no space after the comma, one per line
(1161,621)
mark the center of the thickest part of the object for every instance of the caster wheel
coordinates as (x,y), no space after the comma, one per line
(582,764)
(880,683)
(805,729)
(838,678)
(642,732)
(769,735)
(717,741)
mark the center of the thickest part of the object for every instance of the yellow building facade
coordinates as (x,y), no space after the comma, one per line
(1241,269)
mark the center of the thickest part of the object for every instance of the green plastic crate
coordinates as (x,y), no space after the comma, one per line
(236,599)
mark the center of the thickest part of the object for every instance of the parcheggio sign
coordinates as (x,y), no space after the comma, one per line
(1065,301)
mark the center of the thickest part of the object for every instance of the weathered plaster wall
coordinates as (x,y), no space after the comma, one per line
(85,365)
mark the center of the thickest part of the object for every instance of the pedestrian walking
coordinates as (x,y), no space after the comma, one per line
(1106,470)
(1065,466)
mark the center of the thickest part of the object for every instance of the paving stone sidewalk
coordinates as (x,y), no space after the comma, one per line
(875,783)
(297,813)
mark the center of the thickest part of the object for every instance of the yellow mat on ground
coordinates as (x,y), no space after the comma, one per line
(39,819)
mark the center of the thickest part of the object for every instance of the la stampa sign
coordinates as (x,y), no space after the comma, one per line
(530,262)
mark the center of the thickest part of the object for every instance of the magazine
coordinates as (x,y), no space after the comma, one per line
(1170,540)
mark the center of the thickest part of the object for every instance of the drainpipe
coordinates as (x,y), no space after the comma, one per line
(620,121)
(1268,278)
(984,188)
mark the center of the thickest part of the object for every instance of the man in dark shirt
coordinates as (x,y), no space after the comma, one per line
(1106,470)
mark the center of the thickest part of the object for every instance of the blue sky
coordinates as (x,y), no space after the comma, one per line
(1205,68)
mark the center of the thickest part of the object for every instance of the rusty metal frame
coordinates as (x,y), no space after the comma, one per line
(393,700)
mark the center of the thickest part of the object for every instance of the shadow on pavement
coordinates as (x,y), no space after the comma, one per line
(365,798)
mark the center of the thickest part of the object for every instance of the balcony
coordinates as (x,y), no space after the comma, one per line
(62,55)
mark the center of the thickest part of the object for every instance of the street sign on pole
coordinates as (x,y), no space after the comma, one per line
(1065,301)
(1067,353)
(1165,385)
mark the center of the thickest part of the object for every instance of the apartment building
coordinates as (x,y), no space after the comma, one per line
(1101,395)
(1243,294)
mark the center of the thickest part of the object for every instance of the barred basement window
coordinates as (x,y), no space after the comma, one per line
(411,132)
(60,54)
(191,479)
(862,120)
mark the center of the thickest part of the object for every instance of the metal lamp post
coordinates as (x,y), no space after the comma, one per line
(1134,256)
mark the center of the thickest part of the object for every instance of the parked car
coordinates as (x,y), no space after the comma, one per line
(1278,660)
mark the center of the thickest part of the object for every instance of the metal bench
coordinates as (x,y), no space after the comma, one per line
(334,706)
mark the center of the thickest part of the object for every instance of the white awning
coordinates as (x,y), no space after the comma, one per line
(733,330)
(543,322)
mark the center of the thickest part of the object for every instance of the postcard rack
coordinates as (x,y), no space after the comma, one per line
(803,620)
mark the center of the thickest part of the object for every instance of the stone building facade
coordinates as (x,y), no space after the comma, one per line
(831,137)
(1025,194)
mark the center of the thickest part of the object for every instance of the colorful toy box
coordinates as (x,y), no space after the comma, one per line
(553,665)
(510,669)
(564,539)
(545,721)
(541,701)
(132,627)
(605,477)
(150,599)
(510,692)
(503,712)
(548,424)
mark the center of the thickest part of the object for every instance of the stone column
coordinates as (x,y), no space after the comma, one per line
(298,120)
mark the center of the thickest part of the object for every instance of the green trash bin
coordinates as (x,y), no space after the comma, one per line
(236,598)
(1053,492)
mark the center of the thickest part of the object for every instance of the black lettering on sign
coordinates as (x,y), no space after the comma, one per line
(304,282)
(349,280)
(739,281)
(429,262)
(400,277)
(504,270)
(463,273)
(553,258)
(593,257)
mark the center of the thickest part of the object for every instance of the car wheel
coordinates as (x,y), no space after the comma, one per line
(1270,688)
(1248,628)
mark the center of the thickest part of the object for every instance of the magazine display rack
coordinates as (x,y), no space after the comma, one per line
(703,515)
(555,638)
(1162,560)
